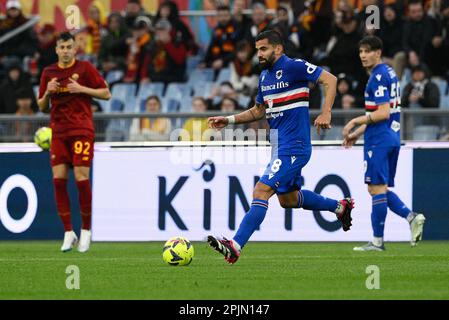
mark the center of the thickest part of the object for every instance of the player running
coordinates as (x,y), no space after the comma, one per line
(70,86)
(381,126)
(283,98)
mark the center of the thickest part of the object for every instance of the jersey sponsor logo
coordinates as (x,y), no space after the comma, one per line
(277,85)
(395,126)
(380,92)
(279,74)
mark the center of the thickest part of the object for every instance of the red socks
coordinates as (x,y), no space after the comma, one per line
(85,200)
(63,202)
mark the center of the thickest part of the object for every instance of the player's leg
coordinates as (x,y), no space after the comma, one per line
(312,201)
(253,219)
(376,176)
(82,159)
(416,220)
(60,158)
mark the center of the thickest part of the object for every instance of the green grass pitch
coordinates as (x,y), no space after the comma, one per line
(37,270)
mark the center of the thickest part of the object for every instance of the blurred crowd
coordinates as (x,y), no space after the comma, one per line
(144,48)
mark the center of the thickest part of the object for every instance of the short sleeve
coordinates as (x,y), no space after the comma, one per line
(259,97)
(43,84)
(94,78)
(305,71)
(381,89)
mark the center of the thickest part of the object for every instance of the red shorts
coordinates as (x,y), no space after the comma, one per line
(75,150)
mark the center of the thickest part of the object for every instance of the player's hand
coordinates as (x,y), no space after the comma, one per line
(53,85)
(323,121)
(350,140)
(75,87)
(217,123)
(347,129)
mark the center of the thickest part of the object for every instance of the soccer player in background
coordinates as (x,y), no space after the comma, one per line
(69,85)
(381,129)
(283,98)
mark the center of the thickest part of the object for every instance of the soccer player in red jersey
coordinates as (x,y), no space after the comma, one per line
(70,86)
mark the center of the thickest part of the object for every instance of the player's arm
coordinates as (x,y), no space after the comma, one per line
(329,83)
(381,114)
(100,93)
(255,113)
(44,102)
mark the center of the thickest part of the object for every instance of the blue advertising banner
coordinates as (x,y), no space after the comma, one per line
(27,205)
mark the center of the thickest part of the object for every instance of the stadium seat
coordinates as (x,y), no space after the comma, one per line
(186,104)
(206,74)
(314,135)
(114,76)
(426,132)
(192,63)
(125,93)
(244,101)
(223,75)
(178,90)
(202,88)
(146,90)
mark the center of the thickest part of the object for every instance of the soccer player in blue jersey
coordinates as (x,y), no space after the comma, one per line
(283,98)
(381,129)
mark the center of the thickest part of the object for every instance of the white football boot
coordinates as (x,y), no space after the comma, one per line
(416,227)
(70,240)
(84,243)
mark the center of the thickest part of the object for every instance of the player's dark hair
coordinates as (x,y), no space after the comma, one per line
(223,7)
(274,38)
(65,36)
(372,42)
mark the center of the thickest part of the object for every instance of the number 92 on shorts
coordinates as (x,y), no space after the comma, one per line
(75,150)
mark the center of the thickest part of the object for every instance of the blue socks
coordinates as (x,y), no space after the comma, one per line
(379,214)
(396,205)
(251,221)
(312,201)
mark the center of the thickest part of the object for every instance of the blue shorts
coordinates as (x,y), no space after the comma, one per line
(380,164)
(283,173)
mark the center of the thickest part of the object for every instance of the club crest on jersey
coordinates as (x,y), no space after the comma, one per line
(75,76)
(278,74)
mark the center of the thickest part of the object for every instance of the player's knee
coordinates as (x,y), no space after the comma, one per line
(262,192)
(81,174)
(377,189)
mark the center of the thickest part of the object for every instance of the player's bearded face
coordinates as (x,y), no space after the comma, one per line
(267,62)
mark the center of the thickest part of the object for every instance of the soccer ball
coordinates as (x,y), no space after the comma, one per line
(178,251)
(42,138)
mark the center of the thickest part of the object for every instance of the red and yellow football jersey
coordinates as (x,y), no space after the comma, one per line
(70,113)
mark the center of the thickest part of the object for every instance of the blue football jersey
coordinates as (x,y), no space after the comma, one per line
(383,87)
(284,91)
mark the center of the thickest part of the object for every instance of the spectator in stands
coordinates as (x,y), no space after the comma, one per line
(229,105)
(196,126)
(23,44)
(315,96)
(166,58)
(259,22)
(112,55)
(391,34)
(180,31)
(343,49)
(46,54)
(445,20)
(422,40)
(345,98)
(224,38)
(138,47)
(242,20)
(16,80)
(218,93)
(24,130)
(95,29)
(243,77)
(421,92)
(152,129)
(133,10)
